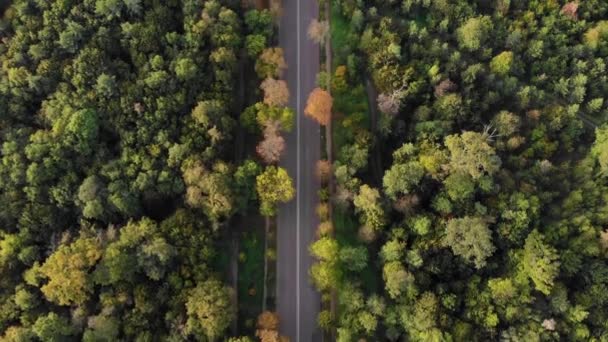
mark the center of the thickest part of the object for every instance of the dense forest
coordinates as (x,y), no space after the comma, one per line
(471,169)
(464,181)
(122,164)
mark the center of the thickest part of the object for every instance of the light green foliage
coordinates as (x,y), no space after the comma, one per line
(91,197)
(9,247)
(472,35)
(53,328)
(450,107)
(273,186)
(600,148)
(283,115)
(355,156)
(325,249)
(470,153)
(392,251)
(106,85)
(459,186)
(396,278)
(209,309)
(596,35)
(68,271)
(502,63)
(368,203)
(185,69)
(25,299)
(470,238)
(255,44)
(506,123)
(260,22)
(402,178)
(540,262)
(101,328)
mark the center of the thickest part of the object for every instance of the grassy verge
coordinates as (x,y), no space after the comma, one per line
(351,108)
(251,278)
(350,104)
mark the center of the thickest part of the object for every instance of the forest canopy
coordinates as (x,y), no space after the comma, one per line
(119,171)
(471,171)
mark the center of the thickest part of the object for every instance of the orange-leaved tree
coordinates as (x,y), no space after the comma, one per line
(319,106)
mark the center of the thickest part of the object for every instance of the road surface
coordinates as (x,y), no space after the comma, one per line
(297,301)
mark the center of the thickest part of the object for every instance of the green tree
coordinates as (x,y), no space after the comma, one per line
(53,328)
(600,148)
(470,238)
(502,63)
(470,153)
(273,186)
(402,178)
(540,262)
(68,271)
(209,309)
(474,33)
(397,279)
(368,203)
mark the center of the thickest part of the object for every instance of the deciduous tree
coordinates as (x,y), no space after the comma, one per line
(209,309)
(273,186)
(319,105)
(470,238)
(276,92)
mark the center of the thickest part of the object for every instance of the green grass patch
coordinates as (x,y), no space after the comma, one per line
(340,36)
(251,278)
(352,110)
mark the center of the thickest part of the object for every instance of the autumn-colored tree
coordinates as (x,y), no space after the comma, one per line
(318,31)
(271,63)
(272,147)
(323,170)
(319,106)
(68,271)
(268,320)
(445,87)
(276,92)
(390,103)
(268,328)
(273,186)
(570,10)
(208,189)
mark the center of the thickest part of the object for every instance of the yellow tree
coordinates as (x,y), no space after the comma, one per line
(67,270)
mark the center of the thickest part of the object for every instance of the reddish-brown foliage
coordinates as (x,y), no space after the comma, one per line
(272,147)
(323,170)
(276,92)
(570,9)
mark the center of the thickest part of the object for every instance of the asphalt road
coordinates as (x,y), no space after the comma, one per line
(298,303)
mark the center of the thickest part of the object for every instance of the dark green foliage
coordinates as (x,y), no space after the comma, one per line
(117,120)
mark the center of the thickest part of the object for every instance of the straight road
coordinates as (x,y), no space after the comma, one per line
(298,303)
